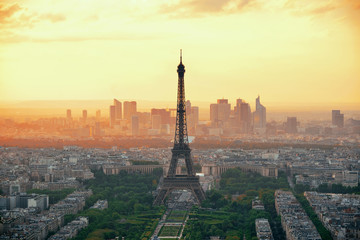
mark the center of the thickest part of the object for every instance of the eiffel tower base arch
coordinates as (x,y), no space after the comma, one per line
(180,182)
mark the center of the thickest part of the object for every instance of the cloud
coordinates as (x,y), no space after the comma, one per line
(320,7)
(194,8)
(6,12)
(306,7)
(354,4)
(10,37)
(52,17)
(14,16)
(323,9)
(91,18)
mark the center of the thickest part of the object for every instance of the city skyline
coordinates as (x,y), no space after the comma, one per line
(298,52)
(146,105)
(26,110)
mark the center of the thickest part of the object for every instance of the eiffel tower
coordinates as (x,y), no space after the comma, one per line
(181,149)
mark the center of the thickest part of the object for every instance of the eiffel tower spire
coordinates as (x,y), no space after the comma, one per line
(180,55)
(181,135)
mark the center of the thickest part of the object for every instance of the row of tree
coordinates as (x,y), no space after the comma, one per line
(324,233)
(327,188)
(54,196)
(130,213)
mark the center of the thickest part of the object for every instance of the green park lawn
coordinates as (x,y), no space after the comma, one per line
(168,231)
(177,216)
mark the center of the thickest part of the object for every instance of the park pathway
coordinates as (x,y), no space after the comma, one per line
(160,224)
(182,203)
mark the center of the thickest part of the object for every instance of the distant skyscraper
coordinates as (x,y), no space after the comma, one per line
(155,121)
(337,118)
(195,112)
(84,116)
(129,109)
(291,125)
(194,120)
(112,115)
(245,112)
(220,112)
(224,109)
(214,114)
(334,113)
(97,130)
(144,118)
(134,125)
(259,115)
(98,115)
(68,114)
(242,114)
(188,107)
(165,114)
(118,109)
(192,115)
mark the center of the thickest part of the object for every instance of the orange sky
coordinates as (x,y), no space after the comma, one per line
(291,51)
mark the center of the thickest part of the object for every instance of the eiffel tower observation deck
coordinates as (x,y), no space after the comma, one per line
(181,150)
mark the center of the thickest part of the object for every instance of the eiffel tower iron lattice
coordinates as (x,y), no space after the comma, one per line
(181,149)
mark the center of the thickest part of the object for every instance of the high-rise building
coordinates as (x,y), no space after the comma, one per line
(195,112)
(259,115)
(84,116)
(242,114)
(334,113)
(173,112)
(165,114)
(188,107)
(220,112)
(112,115)
(134,125)
(98,115)
(129,109)
(224,109)
(118,109)
(214,114)
(192,117)
(68,114)
(144,118)
(97,130)
(337,118)
(155,121)
(291,125)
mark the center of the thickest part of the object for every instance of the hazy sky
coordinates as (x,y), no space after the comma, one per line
(293,51)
